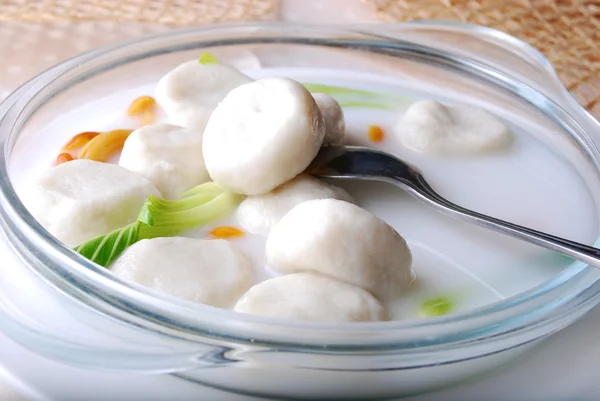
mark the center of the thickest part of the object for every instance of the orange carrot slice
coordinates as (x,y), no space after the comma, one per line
(225,232)
(63,158)
(80,140)
(103,146)
(376,134)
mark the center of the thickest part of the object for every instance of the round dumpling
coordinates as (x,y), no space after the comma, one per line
(168,155)
(210,272)
(257,214)
(431,127)
(311,297)
(190,92)
(335,133)
(263,134)
(82,199)
(343,241)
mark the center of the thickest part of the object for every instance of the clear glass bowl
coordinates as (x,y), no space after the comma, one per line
(63,307)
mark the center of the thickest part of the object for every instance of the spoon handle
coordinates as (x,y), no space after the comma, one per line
(575,250)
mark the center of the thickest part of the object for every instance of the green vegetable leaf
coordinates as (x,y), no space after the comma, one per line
(348,97)
(104,249)
(208,58)
(208,188)
(335,90)
(164,221)
(366,105)
(162,218)
(437,306)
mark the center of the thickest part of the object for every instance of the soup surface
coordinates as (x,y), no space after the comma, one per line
(467,267)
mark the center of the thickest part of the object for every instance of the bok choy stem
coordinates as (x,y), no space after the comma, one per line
(162,218)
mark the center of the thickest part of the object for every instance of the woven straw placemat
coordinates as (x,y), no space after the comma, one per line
(36,34)
(170,12)
(567,32)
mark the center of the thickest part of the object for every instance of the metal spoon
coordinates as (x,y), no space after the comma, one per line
(352,162)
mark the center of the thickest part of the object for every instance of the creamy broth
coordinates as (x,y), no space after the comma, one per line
(527,184)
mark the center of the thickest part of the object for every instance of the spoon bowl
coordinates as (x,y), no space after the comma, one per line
(360,163)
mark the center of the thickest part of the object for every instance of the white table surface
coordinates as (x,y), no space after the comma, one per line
(566,368)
